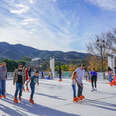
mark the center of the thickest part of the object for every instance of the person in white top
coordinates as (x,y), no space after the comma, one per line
(80,73)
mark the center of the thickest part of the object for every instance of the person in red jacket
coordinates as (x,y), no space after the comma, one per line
(27,78)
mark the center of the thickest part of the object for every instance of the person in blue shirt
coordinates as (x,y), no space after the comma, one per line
(94,79)
(110,74)
(34,80)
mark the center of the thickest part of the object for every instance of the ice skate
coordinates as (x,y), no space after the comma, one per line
(1,97)
(20,98)
(82,97)
(15,100)
(77,99)
(4,96)
(31,101)
(74,99)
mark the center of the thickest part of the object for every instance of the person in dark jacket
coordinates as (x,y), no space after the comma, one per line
(60,73)
(19,80)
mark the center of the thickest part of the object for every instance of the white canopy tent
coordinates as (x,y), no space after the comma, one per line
(52,66)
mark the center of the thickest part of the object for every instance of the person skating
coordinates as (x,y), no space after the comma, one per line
(110,76)
(80,73)
(94,79)
(27,79)
(74,86)
(60,73)
(29,71)
(19,80)
(28,76)
(86,75)
(34,79)
(24,68)
(3,77)
(42,75)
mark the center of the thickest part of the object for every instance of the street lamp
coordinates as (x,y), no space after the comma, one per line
(101,44)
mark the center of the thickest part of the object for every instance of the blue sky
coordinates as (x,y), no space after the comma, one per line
(65,25)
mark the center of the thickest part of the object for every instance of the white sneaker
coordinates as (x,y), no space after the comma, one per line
(92,90)
(95,89)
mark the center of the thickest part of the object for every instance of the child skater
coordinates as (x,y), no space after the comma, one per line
(74,86)
(34,79)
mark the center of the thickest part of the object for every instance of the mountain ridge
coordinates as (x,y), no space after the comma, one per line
(18,51)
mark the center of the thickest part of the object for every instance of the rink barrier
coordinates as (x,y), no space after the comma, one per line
(65,75)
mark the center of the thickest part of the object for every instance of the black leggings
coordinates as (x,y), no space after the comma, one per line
(93,81)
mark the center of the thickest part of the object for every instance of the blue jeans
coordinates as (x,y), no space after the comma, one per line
(19,87)
(74,90)
(110,78)
(80,90)
(2,87)
(32,90)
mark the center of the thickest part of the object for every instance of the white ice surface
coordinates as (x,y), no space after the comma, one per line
(53,98)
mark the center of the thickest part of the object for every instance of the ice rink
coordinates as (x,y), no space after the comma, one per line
(53,98)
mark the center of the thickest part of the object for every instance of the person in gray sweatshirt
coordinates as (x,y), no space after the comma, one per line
(3,77)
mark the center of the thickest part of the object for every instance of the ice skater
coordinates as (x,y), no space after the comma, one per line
(110,76)
(80,73)
(24,69)
(74,86)
(94,79)
(27,79)
(34,80)
(28,76)
(3,77)
(60,73)
(86,74)
(19,80)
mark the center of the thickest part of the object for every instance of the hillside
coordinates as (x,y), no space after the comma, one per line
(18,51)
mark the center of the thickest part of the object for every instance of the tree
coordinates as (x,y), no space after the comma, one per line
(45,65)
(102,45)
(11,64)
(72,67)
(21,62)
(25,58)
(107,41)
(64,67)
(94,62)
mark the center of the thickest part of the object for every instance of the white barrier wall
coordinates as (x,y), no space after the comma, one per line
(100,75)
(64,75)
(52,66)
(111,62)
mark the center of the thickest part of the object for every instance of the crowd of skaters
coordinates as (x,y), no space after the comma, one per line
(91,76)
(22,78)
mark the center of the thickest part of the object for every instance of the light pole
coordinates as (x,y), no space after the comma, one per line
(101,45)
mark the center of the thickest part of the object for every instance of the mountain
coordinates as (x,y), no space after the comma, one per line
(18,51)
